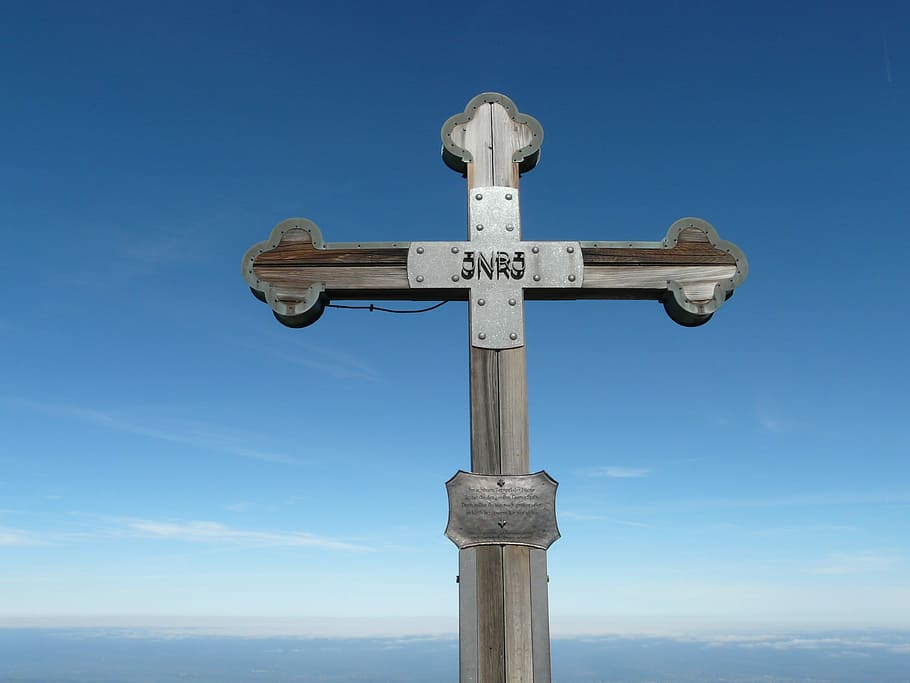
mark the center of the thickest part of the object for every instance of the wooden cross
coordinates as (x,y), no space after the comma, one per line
(503,612)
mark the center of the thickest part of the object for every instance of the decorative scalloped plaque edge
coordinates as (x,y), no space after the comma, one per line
(540,536)
(457,158)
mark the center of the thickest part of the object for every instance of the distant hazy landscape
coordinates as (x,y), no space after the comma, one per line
(85,655)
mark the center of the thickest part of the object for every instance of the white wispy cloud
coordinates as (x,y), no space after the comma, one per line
(248,506)
(189,433)
(813,499)
(16,537)
(841,564)
(136,254)
(769,420)
(843,645)
(580,516)
(584,517)
(629,522)
(220,534)
(329,361)
(617,472)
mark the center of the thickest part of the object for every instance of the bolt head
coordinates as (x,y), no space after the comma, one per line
(454,250)
(482,335)
(537,278)
(481,302)
(571,278)
(512,302)
(535,250)
(454,278)
(480,226)
(478,196)
(510,227)
(420,278)
(419,250)
(571,250)
(513,336)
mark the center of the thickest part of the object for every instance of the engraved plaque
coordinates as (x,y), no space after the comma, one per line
(502,509)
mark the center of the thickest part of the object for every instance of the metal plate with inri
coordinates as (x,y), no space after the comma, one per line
(496,265)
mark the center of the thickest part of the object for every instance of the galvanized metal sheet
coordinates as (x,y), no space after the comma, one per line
(496,265)
(502,509)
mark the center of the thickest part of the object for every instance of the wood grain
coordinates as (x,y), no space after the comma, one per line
(540,615)
(490,616)
(499,436)
(516,573)
(513,411)
(369,280)
(694,254)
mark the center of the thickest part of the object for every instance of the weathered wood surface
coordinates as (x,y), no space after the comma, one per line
(540,614)
(467,614)
(490,666)
(499,435)
(516,573)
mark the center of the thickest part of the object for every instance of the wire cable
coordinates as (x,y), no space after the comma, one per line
(374,307)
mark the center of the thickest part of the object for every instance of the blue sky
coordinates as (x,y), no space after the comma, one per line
(169,449)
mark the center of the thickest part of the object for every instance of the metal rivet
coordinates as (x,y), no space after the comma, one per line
(510,227)
(508,196)
(478,196)
(512,302)
(454,278)
(419,250)
(571,278)
(454,250)
(420,278)
(513,336)
(535,250)
(480,226)
(537,278)
(481,336)
(571,250)
(481,302)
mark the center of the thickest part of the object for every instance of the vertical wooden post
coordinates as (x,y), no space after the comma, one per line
(501,585)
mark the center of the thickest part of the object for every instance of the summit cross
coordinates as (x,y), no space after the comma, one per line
(503,610)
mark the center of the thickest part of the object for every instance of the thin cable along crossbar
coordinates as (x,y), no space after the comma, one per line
(374,307)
